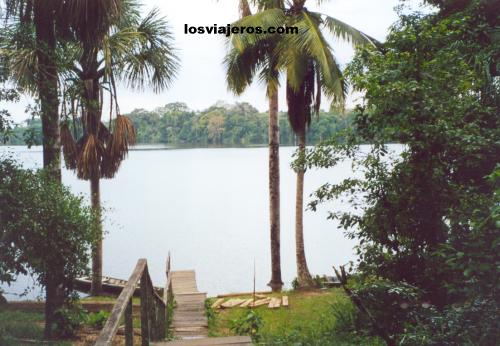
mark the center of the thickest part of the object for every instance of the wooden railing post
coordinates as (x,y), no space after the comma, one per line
(145,310)
(122,307)
(129,325)
(162,320)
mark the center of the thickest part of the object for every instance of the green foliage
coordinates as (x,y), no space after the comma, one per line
(97,319)
(18,325)
(15,324)
(69,319)
(348,320)
(390,303)
(211,314)
(474,323)
(42,225)
(429,196)
(222,124)
(175,124)
(318,282)
(427,218)
(6,123)
(311,319)
(249,323)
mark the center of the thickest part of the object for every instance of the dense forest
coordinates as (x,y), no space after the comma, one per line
(220,124)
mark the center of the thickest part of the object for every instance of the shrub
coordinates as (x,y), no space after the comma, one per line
(98,319)
(391,304)
(248,324)
(47,232)
(69,319)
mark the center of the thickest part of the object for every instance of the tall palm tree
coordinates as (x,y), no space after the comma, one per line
(102,49)
(28,45)
(245,59)
(311,70)
(41,79)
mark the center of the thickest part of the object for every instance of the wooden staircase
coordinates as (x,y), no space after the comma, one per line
(189,323)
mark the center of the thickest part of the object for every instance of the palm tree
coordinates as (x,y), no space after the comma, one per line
(103,49)
(41,79)
(245,59)
(311,71)
(32,65)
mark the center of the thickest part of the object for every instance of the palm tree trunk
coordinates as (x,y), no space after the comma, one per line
(47,87)
(303,275)
(49,107)
(95,199)
(274,193)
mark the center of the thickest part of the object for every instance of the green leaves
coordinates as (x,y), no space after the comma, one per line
(428,210)
(42,225)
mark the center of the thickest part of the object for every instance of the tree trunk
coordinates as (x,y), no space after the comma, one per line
(303,275)
(54,300)
(95,199)
(274,193)
(47,87)
(46,78)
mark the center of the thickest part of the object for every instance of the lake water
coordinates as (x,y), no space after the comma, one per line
(209,208)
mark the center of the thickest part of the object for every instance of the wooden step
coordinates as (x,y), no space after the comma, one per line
(224,341)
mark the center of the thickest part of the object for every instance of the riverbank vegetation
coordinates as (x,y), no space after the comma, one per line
(314,317)
(222,124)
(427,220)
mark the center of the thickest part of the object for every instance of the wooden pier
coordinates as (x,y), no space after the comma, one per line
(189,320)
(189,324)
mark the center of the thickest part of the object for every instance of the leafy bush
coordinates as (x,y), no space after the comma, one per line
(248,324)
(210,313)
(69,319)
(47,232)
(391,304)
(348,320)
(98,319)
(474,323)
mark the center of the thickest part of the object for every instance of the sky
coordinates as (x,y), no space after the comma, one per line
(201,79)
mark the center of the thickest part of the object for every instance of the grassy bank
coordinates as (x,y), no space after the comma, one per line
(22,328)
(313,318)
(22,323)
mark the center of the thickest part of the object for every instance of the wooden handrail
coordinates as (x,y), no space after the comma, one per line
(153,311)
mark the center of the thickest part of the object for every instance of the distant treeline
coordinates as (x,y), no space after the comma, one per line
(221,124)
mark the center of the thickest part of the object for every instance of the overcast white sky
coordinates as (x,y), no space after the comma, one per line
(201,79)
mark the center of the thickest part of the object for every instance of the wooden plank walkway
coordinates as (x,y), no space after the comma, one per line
(189,320)
(190,325)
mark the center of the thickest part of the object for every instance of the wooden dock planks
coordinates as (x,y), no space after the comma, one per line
(274,303)
(189,320)
(189,323)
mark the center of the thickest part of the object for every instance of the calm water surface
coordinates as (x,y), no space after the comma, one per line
(209,208)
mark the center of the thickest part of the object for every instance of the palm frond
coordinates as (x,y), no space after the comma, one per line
(268,18)
(90,20)
(18,55)
(152,61)
(347,33)
(90,157)
(70,150)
